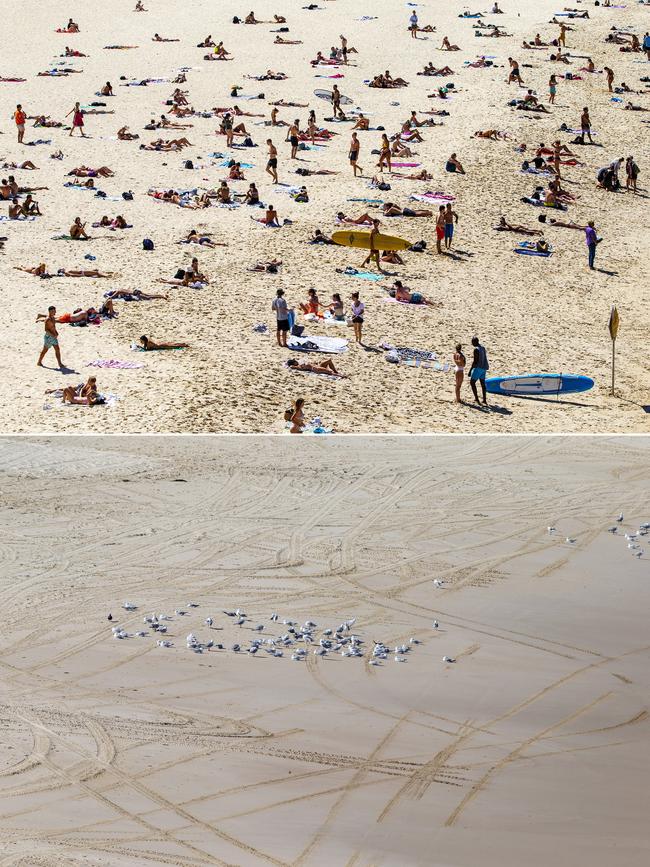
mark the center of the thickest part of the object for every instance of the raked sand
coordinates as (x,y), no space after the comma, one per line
(534,315)
(532,748)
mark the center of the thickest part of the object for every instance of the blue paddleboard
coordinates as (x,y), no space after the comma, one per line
(539,384)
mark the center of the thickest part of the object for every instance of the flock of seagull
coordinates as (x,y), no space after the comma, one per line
(632,539)
(296,640)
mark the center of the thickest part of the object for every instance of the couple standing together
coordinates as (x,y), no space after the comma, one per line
(477,371)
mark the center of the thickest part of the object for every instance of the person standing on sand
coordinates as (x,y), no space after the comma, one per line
(592,241)
(297,416)
(77,119)
(293,137)
(450,217)
(50,338)
(477,371)
(585,124)
(355,146)
(357,308)
(281,309)
(413,25)
(459,371)
(336,100)
(20,117)
(609,72)
(440,228)
(272,164)
(552,89)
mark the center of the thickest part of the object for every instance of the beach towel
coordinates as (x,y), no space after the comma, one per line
(526,252)
(12,80)
(108,399)
(406,165)
(432,197)
(5,219)
(369,201)
(112,364)
(327,319)
(361,275)
(312,343)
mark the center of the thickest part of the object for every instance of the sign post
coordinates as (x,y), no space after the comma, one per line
(613,332)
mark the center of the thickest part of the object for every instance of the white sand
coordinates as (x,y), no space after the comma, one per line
(531,749)
(533,314)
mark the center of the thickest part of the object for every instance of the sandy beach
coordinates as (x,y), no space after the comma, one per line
(533,314)
(530,747)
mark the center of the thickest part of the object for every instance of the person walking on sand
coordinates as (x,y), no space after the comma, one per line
(77,119)
(279,306)
(50,338)
(477,371)
(355,146)
(459,371)
(592,241)
(20,117)
(440,228)
(374,251)
(357,308)
(585,124)
(450,217)
(272,164)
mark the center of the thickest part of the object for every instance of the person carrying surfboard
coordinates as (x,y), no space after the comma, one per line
(374,252)
(479,368)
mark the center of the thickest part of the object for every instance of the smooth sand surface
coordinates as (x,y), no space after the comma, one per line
(532,748)
(533,314)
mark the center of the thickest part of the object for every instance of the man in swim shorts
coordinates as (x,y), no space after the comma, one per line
(272,164)
(479,368)
(281,309)
(440,228)
(20,117)
(450,216)
(50,338)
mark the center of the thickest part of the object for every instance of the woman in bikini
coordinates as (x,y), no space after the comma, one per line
(149,345)
(459,370)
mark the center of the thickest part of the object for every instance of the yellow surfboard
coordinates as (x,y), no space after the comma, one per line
(362,240)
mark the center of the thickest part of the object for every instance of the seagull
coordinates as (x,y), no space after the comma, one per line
(180,612)
(620,518)
(241,620)
(192,604)
(253,650)
(435,624)
(374,662)
(161,629)
(632,546)
(569,540)
(239,612)
(400,659)
(612,530)
(437,582)
(208,621)
(258,628)
(129,606)
(551,530)
(296,657)
(638,553)
(448,659)
(164,644)
(230,613)
(274,617)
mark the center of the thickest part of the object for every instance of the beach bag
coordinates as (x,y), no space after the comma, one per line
(248,142)
(128,196)
(236,20)
(147,244)
(297,330)
(189,164)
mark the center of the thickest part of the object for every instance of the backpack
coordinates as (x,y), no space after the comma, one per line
(128,196)
(189,164)
(147,244)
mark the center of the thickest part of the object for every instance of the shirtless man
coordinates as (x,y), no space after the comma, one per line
(50,338)
(272,164)
(293,136)
(514,75)
(355,146)
(374,252)
(362,122)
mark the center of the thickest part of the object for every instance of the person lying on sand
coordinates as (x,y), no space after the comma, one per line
(175,144)
(203,240)
(325,367)
(560,224)
(134,295)
(87,172)
(270,267)
(80,316)
(363,220)
(107,223)
(319,238)
(46,123)
(71,52)
(422,175)
(281,102)
(157,38)
(82,395)
(392,257)
(150,345)
(493,134)
(392,210)
(401,293)
(280,41)
(505,226)
(27,165)
(41,271)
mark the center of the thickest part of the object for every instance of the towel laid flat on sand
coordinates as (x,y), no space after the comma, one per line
(312,343)
(113,364)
